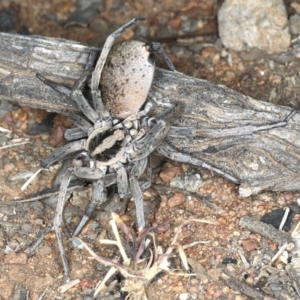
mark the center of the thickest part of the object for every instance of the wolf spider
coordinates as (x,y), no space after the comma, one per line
(113,141)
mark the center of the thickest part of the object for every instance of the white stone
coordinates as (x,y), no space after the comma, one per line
(184,296)
(244,24)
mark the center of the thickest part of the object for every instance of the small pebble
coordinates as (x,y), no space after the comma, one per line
(86,283)
(217,294)
(222,221)
(22,116)
(230,268)
(45,250)
(194,296)
(193,289)
(280,266)
(226,290)
(175,22)
(26,228)
(8,168)
(229,76)
(184,296)
(169,172)
(176,200)
(249,245)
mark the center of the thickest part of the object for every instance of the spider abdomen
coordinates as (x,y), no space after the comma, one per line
(126,78)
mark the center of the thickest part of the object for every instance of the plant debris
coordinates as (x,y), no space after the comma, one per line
(144,263)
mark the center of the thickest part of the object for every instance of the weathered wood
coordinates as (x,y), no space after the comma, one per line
(244,288)
(224,120)
(263,160)
(266,230)
(24,56)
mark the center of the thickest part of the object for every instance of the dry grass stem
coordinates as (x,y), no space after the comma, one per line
(143,264)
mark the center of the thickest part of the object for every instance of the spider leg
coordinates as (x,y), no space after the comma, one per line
(58,219)
(91,60)
(135,173)
(96,94)
(80,122)
(190,131)
(63,152)
(166,150)
(274,125)
(147,144)
(109,179)
(56,86)
(88,173)
(74,134)
(40,237)
(63,89)
(122,181)
(180,131)
(75,95)
(145,184)
(148,182)
(98,197)
(83,104)
(157,47)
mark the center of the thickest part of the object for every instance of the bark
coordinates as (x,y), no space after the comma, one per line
(244,288)
(217,125)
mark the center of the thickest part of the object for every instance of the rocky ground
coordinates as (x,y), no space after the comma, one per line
(188,30)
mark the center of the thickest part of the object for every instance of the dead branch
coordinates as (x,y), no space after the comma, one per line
(266,230)
(244,288)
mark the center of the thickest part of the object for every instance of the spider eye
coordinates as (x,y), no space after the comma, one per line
(148,47)
(77,162)
(128,124)
(133,132)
